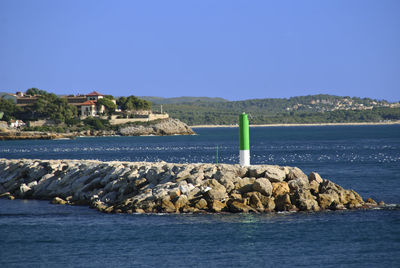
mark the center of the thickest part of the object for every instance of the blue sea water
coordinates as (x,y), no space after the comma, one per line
(363,158)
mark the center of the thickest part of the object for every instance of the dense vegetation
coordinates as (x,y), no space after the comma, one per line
(210,111)
(133,103)
(9,109)
(305,109)
(160,100)
(47,106)
(109,105)
(50,106)
(194,117)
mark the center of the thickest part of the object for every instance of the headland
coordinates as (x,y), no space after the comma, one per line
(163,127)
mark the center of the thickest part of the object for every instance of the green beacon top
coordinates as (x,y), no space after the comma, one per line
(244,132)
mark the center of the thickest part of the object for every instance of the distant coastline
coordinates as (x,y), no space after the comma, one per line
(304,125)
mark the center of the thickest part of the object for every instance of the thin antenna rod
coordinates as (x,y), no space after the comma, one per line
(217,155)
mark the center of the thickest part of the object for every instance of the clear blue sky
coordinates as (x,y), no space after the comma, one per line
(231,49)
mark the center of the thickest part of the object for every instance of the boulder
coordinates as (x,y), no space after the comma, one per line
(216,192)
(314,187)
(354,203)
(280,188)
(228,180)
(325,200)
(327,185)
(32,184)
(237,207)
(174,193)
(314,177)
(371,201)
(58,201)
(283,203)
(253,200)
(298,184)
(217,206)
(24,190)
(305,201)
(257,171)
(160,193)
(236,196)
(185,189)
(244,185)
(110,197)
(242,172)
(152,175)
(167,205)
(201,204)
(181,202)
(275,174)
(5,195)
(269,204)
(263,186)
(149,206)
(194,193)
(295,173)
(260,202)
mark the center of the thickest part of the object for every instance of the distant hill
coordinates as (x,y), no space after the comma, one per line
(177,100)
(320,108)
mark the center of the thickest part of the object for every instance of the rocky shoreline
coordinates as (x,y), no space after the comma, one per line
(161,128)
(165,127)
(160,187)
(34,135)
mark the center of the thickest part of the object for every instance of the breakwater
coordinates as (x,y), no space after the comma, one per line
(147,187)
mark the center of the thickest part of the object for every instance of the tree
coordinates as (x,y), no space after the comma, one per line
(110,97)
(9,108)
(35,91)
(50,106)
(110,105)
(97,123)
(133,103)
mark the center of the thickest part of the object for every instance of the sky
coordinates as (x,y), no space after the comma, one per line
(235,49)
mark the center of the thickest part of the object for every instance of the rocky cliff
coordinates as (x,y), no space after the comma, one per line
(165,127)
(144,187)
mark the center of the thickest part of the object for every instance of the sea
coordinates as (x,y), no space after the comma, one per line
(34,233)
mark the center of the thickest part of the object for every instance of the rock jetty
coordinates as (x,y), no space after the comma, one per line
(145,187)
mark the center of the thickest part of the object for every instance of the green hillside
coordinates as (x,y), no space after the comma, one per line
(303,109)
(178,100)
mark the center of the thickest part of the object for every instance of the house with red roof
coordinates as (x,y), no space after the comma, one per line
(90,107)
(86,104)
(94,96)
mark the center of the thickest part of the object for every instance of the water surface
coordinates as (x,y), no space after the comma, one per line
(364,158)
